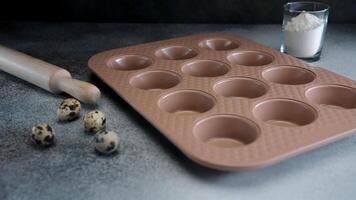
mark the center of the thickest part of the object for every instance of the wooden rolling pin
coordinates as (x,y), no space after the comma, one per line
(46,75)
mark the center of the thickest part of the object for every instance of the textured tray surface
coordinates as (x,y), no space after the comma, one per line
(245,105)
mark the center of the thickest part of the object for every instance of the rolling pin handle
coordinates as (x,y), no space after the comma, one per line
(83,91)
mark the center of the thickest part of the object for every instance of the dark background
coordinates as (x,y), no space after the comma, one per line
(163,11)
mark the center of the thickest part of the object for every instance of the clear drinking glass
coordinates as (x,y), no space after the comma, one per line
(304,27)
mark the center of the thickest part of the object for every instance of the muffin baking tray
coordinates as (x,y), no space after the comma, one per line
(229,103)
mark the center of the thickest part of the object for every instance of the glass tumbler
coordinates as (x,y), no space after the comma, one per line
(304,26)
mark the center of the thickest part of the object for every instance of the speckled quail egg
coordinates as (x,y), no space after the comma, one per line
(42,135)
(69,110)
(94,121)
(106,142)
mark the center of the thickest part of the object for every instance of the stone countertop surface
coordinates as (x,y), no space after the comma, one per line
(148,166)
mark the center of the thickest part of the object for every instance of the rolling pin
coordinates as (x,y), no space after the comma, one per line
(46,75)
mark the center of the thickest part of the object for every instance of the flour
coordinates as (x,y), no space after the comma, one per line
(303,35)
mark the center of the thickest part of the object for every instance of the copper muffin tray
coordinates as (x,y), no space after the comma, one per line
(229,103)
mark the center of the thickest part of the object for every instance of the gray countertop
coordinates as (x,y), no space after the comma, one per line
(148,165)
